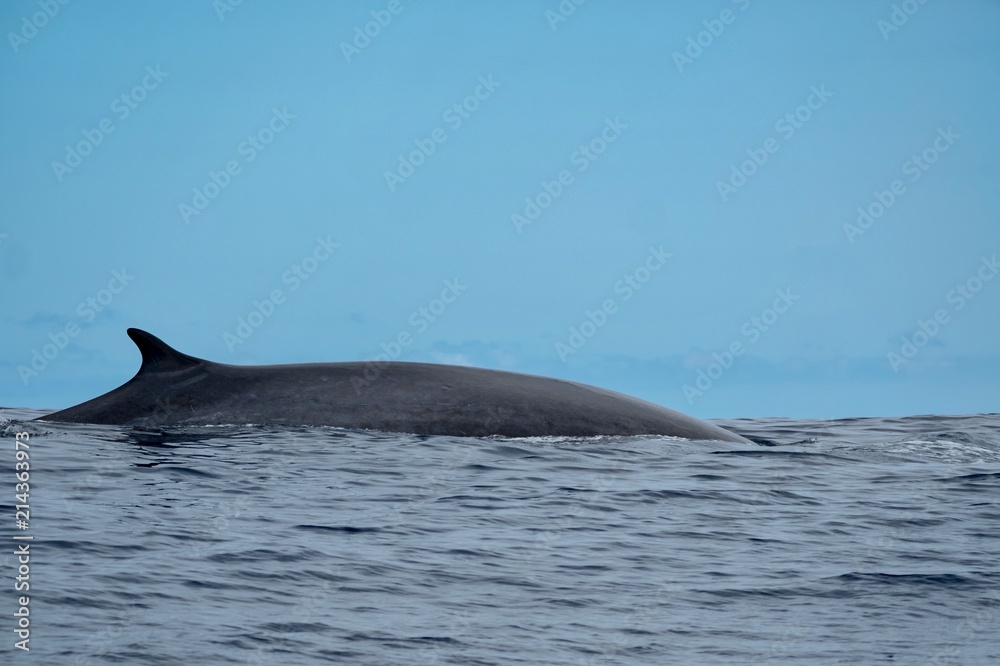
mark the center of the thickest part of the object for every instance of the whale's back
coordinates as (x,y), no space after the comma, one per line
(175,389)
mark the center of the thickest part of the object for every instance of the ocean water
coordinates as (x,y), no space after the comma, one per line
(851,541)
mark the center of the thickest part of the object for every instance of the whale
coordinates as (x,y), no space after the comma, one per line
(174,389)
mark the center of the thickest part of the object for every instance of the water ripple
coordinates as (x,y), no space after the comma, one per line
(851,540)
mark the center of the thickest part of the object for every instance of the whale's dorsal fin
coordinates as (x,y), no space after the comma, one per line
(158,356)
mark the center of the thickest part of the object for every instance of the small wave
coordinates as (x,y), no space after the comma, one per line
(947,580)
(342,529)
(972,478)
(945,447)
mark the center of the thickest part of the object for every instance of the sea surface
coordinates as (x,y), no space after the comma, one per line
(850,541)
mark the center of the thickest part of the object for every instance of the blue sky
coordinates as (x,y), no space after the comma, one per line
(658,198)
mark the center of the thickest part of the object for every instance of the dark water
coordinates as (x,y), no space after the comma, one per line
(855,541)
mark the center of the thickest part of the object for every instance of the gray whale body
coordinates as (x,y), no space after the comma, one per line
(174,389)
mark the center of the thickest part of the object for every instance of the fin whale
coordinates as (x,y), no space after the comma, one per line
(174,389)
